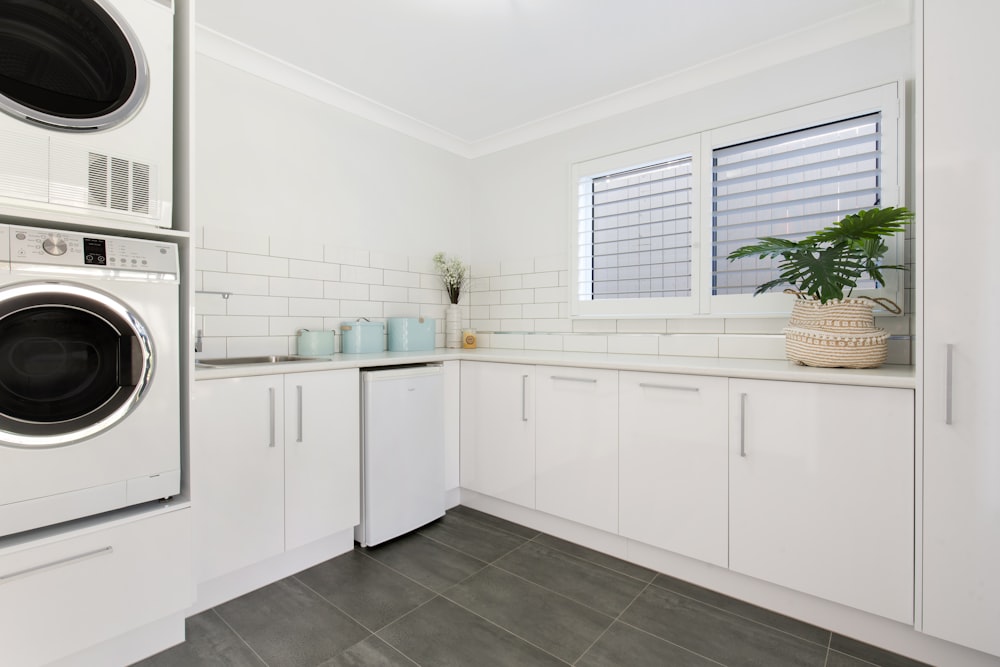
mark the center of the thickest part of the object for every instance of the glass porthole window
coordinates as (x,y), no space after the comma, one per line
(72,65)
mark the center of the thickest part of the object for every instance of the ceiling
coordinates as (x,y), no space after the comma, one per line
(476,75)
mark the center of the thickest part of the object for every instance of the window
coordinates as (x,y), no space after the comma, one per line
(788,186)
(634,232)
(642,248)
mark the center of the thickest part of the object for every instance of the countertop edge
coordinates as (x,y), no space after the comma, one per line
(890,376)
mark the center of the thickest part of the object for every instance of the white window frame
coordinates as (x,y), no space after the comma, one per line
(648,155)
(888,99)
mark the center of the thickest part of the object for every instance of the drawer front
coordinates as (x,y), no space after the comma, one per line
(65,596)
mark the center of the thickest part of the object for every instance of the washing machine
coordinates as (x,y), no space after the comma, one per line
(86,91)
(89,376)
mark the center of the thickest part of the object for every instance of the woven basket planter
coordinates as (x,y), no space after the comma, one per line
(837,334)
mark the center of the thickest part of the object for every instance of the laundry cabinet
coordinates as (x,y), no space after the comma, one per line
(961,394)
(673,459)
(275,465)
(821,491)
(576,445)
(498,431)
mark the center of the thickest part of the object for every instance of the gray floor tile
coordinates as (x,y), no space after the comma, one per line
(210,643)
(593,585)
(472,536)
(871,654)
(425,561)
(289,625)
(624,645)
(442,634)
(836,659)
(719,635)
(365,589)
(610,562)
(550,621)
(745,609)
(372,652)
(495,521)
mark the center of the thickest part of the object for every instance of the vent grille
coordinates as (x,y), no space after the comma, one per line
(97,178)
(118,184)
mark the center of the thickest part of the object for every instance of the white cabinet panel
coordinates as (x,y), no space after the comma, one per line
(68,595)
(961,483)
(821,491)
(576,445)
(274,465)
(237,472)
(322,446)
(674,478)
(498,431)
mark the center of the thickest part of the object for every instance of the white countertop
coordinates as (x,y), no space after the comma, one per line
(763,369)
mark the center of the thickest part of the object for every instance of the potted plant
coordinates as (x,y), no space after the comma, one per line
(454,277)
(829,327)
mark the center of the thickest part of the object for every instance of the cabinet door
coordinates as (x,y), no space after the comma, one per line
(322,445)
(821,491)
(498,431)
(576,445)
(237,473)
(961,483)
(673,454)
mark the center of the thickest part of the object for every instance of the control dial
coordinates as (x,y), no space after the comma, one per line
(55,245)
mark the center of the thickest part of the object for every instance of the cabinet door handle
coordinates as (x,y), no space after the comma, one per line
(672,387)
(298,389)
(270,392)
(743,425)
(948,387)
(524,398)
(37,569)
(572,379)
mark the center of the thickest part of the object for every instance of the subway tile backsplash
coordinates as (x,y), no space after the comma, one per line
(278,287)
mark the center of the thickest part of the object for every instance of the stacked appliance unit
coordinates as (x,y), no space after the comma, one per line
(86,87)
(89,322)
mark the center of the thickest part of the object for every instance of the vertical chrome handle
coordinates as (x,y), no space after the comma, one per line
(298,389)
(743,425)
(949,371)
(524,398)
(270,391)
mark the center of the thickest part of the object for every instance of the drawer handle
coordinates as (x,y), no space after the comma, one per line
(672,387)
(743,425)
(572,379)
(38,569)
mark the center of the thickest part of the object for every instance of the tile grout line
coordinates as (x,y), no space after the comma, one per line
(239,636)
(618,619)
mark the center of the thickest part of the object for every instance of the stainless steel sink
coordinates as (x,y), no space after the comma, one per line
(222,362)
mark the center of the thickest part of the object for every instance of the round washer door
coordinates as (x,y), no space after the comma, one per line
(71,65)
(74,361)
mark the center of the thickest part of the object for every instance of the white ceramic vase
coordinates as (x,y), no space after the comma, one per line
(453,326)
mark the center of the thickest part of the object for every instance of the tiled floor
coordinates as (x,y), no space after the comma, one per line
(474,590)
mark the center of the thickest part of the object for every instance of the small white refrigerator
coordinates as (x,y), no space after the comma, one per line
(402,451)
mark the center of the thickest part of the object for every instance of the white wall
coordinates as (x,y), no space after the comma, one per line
(285,177)
(310,215)
(521,211)
(271,159)
(520,196)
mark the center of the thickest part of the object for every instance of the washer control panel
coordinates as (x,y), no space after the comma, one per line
(29,245)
